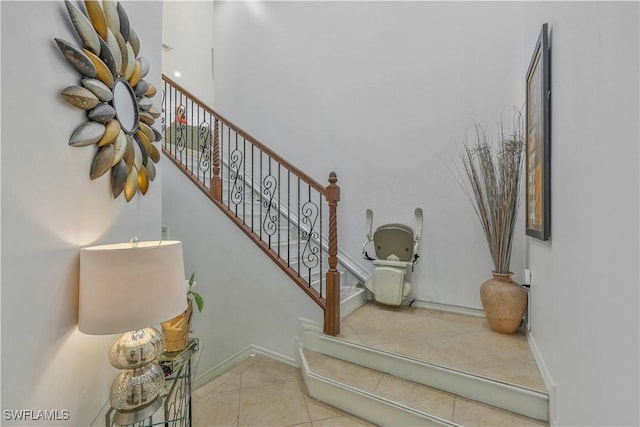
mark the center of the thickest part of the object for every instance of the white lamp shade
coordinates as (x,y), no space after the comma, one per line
(130,286)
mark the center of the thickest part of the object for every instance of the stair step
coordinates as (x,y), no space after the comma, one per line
(468,390)
(389,400)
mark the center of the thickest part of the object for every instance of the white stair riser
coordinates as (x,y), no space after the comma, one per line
(523,401)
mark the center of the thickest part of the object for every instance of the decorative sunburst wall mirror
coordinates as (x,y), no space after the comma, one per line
(112,89)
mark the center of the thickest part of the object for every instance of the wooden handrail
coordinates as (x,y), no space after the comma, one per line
(312,182)
(330,301)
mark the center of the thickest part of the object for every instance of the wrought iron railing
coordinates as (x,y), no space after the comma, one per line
(289,215)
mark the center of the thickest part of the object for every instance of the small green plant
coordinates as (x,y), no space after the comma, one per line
(196,296)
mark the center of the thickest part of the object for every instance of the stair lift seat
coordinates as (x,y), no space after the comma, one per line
(396,249)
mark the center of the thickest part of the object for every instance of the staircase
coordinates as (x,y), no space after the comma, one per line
(289,215)
(285,213)
(391,388)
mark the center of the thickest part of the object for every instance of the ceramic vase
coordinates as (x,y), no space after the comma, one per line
(504,303)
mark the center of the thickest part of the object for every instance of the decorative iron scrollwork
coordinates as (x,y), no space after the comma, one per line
(269,187)
(181,137)
(163,123)
(311,250)
(203,142)
(236,177)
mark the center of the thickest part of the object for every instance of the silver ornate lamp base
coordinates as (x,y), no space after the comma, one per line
(124,417)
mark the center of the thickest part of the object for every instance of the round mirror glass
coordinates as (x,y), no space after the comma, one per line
(126,106)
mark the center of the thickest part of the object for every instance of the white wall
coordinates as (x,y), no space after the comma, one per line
(50,209)
(187,26)
(248,299)
(382,93)
(585,279)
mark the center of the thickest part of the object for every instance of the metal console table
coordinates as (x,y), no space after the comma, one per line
(179,369)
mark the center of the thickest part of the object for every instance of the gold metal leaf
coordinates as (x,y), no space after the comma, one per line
(147,131)
(97,17)
(111,131)
(143,180)
(131,186)
(102,71)
(146,118)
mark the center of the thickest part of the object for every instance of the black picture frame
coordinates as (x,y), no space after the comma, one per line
(538,141)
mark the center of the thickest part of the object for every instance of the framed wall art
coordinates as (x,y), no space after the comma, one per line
(538,143)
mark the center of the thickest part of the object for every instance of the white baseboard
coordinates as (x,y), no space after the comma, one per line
(546,377)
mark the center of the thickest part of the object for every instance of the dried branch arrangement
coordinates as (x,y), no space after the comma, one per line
(493,165)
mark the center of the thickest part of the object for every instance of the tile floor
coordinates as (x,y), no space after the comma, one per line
(263,392)
(459,341)
(426,399)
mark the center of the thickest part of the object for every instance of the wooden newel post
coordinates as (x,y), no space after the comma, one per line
(216,182)
(332,308)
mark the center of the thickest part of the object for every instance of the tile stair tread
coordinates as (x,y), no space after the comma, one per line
(442,339)
(419,397)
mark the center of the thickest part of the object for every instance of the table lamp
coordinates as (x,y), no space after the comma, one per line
(127,288)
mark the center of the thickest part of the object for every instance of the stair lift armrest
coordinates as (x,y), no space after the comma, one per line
(418,215)
(418,235)
(368,229)
(364,250)
(369,225)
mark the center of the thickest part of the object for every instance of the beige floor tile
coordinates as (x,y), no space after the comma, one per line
(215,384)
(459,352)
(461,322)
(246,364)
(321,411)
(233,384)
(344,421)
(349,334)
(216,409)
(516,372)
(417,349)
(268,371)
(416,396)
(453,340)
(273,405)
(378,324)
(473,414)
(347,373)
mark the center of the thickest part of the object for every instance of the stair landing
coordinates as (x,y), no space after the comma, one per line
(457,341)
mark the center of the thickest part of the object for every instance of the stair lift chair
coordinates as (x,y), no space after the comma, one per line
(396,249)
